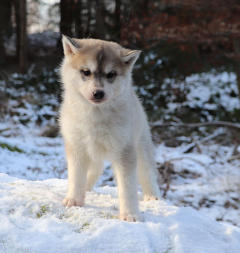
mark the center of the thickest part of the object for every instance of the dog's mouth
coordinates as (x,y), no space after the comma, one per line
(97,101)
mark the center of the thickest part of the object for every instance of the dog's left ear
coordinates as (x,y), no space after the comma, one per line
(130,56)
(70,46)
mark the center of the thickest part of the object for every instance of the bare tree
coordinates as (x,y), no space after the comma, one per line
(236,45)
(89,17)
(5,25)
(118,19)
(100,28)
(77,18)
(23,36)
(66,13)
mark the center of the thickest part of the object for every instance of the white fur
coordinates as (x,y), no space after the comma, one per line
(116,130)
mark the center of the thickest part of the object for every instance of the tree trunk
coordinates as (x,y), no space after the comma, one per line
(23,36)
(77,18)
(66,13)
(100,28)
(236,45)
(5,26)
(118,19)
(89,17)
(17,20)
(2,49)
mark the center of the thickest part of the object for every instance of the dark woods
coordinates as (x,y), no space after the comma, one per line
(90,19)
(13,19)
(189,36)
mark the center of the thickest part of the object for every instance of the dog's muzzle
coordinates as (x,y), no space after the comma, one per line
(98,96)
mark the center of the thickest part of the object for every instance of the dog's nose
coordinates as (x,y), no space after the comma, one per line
(98,94)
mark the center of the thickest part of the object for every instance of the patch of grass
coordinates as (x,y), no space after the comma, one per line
(85,225)
(14,148)
(43,210)
(11,147)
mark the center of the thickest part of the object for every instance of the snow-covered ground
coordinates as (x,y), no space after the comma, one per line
(33,220)
(200,184)
(206,179)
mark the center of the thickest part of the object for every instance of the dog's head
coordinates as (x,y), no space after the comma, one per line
(98,70)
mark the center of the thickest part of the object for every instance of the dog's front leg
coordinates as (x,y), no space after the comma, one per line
(126,174)
(77,172)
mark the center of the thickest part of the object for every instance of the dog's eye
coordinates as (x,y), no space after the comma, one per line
(86,72)
(111,74)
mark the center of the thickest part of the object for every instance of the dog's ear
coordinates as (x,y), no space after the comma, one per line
(70,46)
(130,56)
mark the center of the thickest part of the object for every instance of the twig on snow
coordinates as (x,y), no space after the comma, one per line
(189,158)
(234,157)
(4,129)
(193,125)
(191,146)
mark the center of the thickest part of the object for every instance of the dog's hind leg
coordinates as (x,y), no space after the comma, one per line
(94,171)
(147,173)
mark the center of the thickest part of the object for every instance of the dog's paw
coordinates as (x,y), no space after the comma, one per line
(150,197)
(68,202)
(131,217)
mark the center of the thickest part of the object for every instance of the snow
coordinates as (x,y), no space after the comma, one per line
(39,157)
(34,220)
(215,83)
(206,179)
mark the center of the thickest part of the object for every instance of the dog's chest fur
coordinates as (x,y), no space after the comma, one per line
(101,131)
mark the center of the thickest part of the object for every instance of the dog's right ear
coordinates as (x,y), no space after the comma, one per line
(70,46)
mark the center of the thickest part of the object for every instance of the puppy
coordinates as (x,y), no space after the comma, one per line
(102,118)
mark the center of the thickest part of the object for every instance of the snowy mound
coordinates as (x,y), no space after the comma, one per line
(32,219)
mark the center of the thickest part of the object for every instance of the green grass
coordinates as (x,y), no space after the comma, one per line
(43,210)
(11,147)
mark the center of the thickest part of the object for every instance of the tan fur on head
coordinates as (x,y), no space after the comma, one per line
(101,59)
(82,47)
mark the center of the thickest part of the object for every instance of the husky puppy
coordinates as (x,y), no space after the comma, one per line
(102,118)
